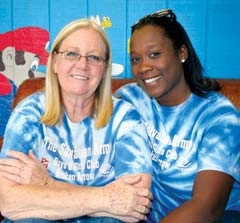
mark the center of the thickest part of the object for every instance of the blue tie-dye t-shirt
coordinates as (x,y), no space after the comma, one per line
(199,134)
(78,152)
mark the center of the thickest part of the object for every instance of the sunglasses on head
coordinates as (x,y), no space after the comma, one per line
(168,13)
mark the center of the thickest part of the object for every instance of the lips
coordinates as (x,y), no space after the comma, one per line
(150,80)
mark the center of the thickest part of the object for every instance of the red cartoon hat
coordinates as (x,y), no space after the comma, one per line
(28,39)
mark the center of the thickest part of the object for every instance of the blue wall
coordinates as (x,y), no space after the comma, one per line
(211,24)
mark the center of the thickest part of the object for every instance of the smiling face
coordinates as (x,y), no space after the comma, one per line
(80,77)
(157,66)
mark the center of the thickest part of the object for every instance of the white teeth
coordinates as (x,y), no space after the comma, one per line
(79,77)
(152,79)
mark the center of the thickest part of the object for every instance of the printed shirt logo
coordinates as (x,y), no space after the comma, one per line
(166,149)
(77,165)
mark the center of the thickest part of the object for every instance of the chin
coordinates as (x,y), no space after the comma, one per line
(150,92)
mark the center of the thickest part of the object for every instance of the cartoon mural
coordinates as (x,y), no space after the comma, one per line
(22,51)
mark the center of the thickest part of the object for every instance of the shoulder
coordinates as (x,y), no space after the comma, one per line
(216,112)
(219,102)
(33,102)
(132,89)
(122,106)
(132,93)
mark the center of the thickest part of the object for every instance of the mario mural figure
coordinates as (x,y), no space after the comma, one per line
(21,53)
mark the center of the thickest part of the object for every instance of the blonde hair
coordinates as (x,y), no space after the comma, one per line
(103,105)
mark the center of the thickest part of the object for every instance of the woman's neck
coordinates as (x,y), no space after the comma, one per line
(78,108)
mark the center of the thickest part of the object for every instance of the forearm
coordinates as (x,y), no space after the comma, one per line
(48,202)
(191,213)
(208,201)
(62,201)
(34,194)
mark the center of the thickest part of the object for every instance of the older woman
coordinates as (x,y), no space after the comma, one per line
(82,135)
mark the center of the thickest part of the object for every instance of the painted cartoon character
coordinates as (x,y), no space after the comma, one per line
(22,51)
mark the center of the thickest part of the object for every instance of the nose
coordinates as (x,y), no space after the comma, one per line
(82,61)
(145,65)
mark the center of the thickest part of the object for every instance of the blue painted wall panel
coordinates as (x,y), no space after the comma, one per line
(5,15)
(31,13)
(64,11)
(223,36)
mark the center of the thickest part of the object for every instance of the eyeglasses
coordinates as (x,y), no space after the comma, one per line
(161,13)
(74,56)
